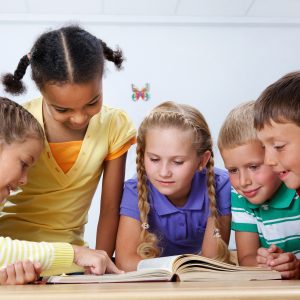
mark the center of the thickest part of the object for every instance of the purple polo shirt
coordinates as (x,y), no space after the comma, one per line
(180,230)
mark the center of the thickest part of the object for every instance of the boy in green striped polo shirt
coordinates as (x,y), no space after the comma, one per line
(277,121)
(265,213)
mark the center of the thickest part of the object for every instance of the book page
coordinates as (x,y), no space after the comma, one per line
(165,263)
(229,275)
(199,268)
(187,261)
(187,267)
(135,276)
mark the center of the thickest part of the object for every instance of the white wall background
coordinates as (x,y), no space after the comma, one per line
(211,65)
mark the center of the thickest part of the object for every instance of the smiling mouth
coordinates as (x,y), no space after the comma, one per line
(251,193)
(8,189)
(13,190)
(78,127)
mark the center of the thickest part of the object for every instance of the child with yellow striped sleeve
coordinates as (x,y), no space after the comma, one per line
(21,143)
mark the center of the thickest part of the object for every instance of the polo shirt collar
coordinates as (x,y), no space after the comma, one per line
(195,200)
(282,198)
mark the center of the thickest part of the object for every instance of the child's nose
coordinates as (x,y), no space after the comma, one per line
(79,118)
(244,179)
(269,158)
(164,170)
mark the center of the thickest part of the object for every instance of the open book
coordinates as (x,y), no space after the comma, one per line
(186,267)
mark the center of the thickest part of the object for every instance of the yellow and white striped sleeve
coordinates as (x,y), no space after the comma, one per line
(49,255)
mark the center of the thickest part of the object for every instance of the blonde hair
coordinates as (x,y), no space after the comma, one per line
(17,124)
(185,117)
(238,127)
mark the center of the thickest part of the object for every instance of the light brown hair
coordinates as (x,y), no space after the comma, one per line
(279,102)
(17,124)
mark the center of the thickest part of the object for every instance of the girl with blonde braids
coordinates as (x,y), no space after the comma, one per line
(178,203)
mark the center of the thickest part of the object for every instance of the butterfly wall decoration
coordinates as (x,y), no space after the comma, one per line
(142,93)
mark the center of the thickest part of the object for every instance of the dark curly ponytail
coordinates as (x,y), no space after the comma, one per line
(115,56)
(13,82)
(67,55)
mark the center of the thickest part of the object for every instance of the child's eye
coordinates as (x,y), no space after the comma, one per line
(154,159)
(278,147)
(61,110)
(178,162)
(93,103)
(232,171)
(253,167)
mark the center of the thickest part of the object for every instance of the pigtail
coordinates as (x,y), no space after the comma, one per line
(114,56)
(148,241)
(66,55)
(13,82)
(222,248)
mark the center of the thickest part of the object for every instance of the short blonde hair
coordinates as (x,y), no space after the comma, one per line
(238,127)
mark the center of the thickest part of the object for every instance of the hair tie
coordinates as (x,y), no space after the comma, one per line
(145,226)
(216,233)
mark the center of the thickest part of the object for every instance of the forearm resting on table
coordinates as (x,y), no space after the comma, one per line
(127,263)
(248,260)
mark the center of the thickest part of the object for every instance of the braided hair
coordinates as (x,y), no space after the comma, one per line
(185,117)
(17,124)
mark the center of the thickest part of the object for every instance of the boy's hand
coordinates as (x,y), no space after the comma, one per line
(21,272)
(287,264)
(94,261)
(284,262)
(265,255)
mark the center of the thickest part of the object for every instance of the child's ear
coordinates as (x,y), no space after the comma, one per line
(204,159)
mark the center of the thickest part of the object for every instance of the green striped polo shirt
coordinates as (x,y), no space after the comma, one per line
(277,221)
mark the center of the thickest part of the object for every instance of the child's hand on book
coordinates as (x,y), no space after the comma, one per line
(94,261)
(20,273)
(284,262)
(287,264)
(265,255)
